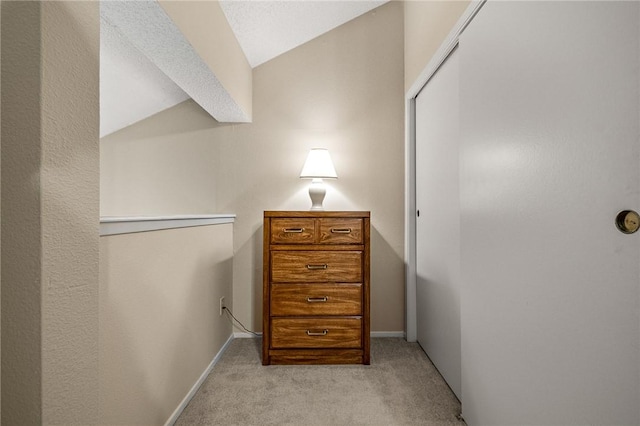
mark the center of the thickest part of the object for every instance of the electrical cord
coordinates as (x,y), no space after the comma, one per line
(227,310)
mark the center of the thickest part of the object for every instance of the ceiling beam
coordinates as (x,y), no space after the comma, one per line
(148,26)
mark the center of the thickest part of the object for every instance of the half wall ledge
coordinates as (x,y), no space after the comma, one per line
(114,225)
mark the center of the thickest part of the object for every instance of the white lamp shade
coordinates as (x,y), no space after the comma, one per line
(318,165)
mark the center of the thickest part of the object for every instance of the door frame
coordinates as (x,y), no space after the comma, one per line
(410,226)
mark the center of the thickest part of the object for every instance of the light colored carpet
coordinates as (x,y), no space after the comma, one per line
(400,387)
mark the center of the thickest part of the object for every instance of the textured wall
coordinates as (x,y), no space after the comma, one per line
(159,320)
(426,25)
(70,209)
(204,24)
(50,212)
(21,257)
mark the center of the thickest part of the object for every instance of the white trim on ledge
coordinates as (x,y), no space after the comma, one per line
(114,225)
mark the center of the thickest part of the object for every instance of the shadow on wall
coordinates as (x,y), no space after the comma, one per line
(257,240)
(387,285)
(112,394)
(184,118)
(247,293)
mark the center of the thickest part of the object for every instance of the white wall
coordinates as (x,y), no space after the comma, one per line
(426,25)
(549,154)
(160,290)
(343,91)
(163,165)
(159,317)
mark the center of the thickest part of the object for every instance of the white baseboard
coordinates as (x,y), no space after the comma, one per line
(245,335)
(197,384)
(388,334)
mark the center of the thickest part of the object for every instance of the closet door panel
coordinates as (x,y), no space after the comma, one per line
(549,155)
(438,226)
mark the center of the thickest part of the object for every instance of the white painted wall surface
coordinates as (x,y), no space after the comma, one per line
(159,318)
(426,26)
(549,155)
(162,165)
(341,91)
(438,225)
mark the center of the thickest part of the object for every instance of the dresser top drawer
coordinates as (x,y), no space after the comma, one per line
(316,230)
(340,231)
(293,231)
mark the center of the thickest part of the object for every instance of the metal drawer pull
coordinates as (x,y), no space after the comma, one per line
(293,230)
(315,333)
(317,299)
(340,230)
(317,267)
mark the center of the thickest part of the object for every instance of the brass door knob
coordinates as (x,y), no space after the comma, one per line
(628,221)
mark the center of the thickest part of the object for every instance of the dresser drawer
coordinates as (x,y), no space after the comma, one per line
(340,231)
(292,231)
(316,266)
(316,299)
(316,333)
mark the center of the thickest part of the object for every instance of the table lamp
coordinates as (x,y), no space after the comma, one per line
(317,167)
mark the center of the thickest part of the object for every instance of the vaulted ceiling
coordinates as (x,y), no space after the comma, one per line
(147,65)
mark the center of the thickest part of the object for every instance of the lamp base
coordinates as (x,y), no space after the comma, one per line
(317,191)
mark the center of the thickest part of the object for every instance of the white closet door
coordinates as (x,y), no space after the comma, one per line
(438,223)
(549,112)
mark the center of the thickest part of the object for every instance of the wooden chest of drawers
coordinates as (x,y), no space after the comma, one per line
(315,288)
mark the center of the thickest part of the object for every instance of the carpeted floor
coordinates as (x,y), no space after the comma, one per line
(400,387)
